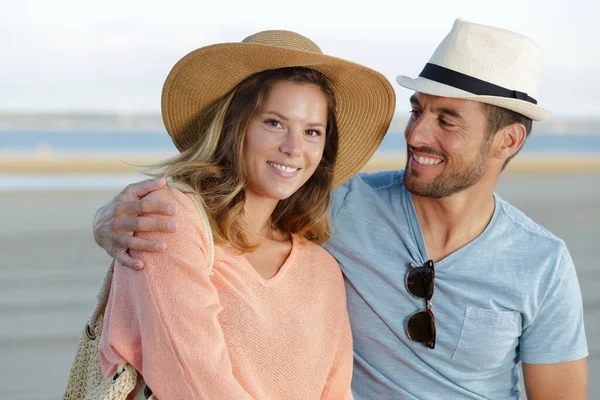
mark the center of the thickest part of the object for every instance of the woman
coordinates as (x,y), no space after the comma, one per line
(258,124)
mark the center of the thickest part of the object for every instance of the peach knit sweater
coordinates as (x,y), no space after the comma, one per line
(226,333)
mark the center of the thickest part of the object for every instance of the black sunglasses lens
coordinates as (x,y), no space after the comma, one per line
(421,327)
(420,282)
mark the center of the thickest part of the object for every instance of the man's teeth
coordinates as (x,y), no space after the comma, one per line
(425,160)
(283,167)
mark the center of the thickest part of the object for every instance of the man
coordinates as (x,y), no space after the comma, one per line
(448,285)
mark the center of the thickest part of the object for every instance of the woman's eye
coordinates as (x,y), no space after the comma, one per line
(313,132)
(273,123)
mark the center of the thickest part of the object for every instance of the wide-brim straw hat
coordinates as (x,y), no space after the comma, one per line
(485,64)
(365,98)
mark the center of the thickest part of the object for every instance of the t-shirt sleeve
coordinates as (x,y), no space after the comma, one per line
(338,197)
(557,332)
(163,319)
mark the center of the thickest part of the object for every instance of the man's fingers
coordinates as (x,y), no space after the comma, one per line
(145,206)
(124,259)
(140,189)
(115,222)
(144,224)
(134,243)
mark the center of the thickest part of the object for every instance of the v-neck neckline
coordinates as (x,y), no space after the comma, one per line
(280,273)
(420,239)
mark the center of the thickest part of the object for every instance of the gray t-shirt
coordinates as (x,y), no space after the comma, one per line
(511,294)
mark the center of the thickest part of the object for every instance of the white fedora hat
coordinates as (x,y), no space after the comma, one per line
(485,64)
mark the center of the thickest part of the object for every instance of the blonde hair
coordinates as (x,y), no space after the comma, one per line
(214,166)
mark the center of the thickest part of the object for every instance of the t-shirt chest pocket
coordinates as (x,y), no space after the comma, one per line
(488,338)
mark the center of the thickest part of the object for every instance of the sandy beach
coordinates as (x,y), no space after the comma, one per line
(77,164)
(50,269)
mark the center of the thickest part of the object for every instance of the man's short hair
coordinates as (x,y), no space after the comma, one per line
(498,118)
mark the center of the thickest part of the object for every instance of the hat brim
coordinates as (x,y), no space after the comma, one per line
(365,98)
(424,85)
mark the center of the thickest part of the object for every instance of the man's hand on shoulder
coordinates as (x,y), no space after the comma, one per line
(115,223)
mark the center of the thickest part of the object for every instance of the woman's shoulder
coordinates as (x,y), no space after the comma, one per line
(322,272)
(172,193)
(191,237)
(188,203)
(314,254)
(189,215)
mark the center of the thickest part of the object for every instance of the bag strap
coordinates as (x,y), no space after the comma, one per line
(101,300)
(103,293)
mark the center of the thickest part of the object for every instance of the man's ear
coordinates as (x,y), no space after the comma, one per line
(509,140)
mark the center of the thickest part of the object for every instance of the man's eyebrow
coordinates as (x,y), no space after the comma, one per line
(444,110)
(449,111)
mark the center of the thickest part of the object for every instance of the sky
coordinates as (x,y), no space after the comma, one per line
(113,55)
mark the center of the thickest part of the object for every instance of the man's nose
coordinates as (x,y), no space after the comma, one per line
(420,132)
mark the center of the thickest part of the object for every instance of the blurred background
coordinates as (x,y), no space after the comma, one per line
(80,86)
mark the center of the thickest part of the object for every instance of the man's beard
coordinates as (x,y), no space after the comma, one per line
(448,182)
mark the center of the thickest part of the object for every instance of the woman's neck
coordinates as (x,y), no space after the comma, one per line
(257,216)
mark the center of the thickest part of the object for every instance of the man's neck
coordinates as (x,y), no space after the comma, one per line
(452,222)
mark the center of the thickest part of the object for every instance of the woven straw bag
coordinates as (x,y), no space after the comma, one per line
(86,381)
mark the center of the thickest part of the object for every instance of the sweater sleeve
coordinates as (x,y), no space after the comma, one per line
(340,375)
(163,319)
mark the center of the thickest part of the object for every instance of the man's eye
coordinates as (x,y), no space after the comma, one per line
(443,122)
(415,114)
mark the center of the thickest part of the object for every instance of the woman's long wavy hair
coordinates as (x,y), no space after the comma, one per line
(214,166)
